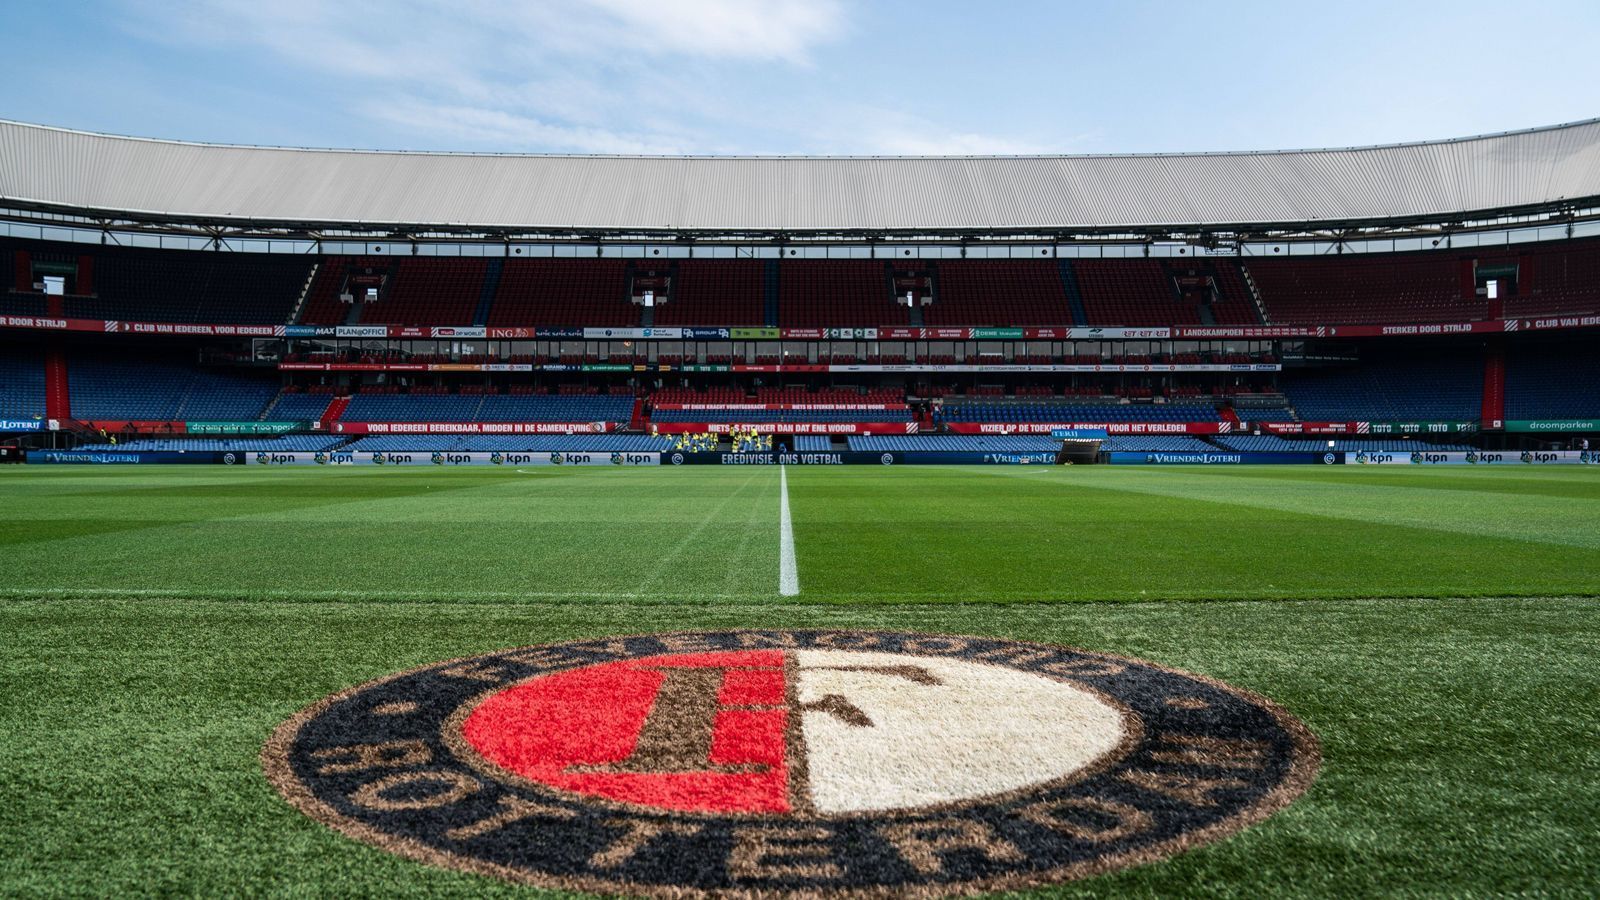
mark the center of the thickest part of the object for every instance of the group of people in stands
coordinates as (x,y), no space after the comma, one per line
(695,443)
(751,442)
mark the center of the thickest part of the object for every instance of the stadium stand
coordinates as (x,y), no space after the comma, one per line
(1392,386)
(1356,289)
(836,292)
(753,416)
(429,291)
(429,407)
(714,292)
(297,407)
(323,304)
(563,292)
(1130,293)
(149,285)
(289,443)
(1560,280)
(125,386)
(811,443)
(22,394)
(990,292)
(1269,443)
(510,443)
(973,411)
(230,287)
(1023,443)
(1553,381)
(920,443)
(1158,443)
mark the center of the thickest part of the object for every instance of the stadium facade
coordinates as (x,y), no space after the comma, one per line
(1424,302)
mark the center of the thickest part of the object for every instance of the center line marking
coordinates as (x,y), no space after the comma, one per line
(788,572)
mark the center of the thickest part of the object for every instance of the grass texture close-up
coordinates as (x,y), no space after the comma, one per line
(1438,630)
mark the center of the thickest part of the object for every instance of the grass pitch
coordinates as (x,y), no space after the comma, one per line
(159,622)
(862,534)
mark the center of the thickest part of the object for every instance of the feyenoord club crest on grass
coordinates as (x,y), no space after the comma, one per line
(819,762)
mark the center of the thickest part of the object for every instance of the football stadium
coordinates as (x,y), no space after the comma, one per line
(1219,523)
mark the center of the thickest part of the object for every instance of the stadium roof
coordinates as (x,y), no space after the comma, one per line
(140,179)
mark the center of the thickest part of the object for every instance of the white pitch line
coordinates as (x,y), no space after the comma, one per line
(788,571)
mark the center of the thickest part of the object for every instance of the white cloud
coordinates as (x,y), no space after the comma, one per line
(588,76)
(773,29)
(497,127)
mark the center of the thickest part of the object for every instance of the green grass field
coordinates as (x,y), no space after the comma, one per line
(1439,630)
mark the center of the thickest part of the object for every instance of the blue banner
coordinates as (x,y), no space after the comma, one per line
(859,458)
(21,424)
(121,457)
(1214,458)
(295,331)
(706,334)
(1079,434)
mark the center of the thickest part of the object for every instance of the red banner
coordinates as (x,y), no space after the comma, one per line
(1311,427)
(785,427)
(471,427)
(1110,427)
(720,406)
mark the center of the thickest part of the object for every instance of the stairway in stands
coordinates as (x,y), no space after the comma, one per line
(57,396)
(491,285)
(335,410)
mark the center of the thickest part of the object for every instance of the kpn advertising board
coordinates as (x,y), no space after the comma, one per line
(440,458)
(1474,458)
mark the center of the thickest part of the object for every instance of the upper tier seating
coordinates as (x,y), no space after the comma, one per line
(22,394)
(564,292)
(998,292)
(1355,289)
(429,291)
(323,306)
(137,284)
(115,387)
(142,284)
(715,292)
(1234,306)
(1553,381)
(1399,387)
(1560,280)
(977,411)
(852,293)
(1130,293)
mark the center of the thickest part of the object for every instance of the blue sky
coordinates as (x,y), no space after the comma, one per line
(800,76)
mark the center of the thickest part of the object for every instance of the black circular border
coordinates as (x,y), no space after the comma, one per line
(1304,761)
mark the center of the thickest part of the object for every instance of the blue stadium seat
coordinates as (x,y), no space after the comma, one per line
(21,382)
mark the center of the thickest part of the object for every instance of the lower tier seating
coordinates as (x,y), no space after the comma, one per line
(132,386)
(21,382)
(1271,443)
(1399,386)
